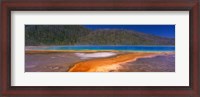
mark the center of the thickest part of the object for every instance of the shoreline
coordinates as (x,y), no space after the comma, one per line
(67,51)
(87,51)
(62,62)
(111,63)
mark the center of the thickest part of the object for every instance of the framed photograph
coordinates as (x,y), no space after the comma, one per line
(111,48)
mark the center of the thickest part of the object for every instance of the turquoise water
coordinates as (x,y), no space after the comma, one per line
(119,48)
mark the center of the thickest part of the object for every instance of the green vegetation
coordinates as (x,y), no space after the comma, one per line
(53,34)
(79,35)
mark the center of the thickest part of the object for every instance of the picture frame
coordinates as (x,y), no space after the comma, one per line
(193,90)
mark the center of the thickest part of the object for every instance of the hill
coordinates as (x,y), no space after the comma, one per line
(123,37)
(79,35)
(53,34)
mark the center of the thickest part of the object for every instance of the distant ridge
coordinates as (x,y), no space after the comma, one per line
(123,37)
(79,35)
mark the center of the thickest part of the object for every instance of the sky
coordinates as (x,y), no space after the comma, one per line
(158,30)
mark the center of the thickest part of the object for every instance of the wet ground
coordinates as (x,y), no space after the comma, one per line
(61,62)
(164,63)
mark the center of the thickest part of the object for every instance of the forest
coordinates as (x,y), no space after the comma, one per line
(37,35)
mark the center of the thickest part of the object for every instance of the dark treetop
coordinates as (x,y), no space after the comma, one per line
(158,30)
(82,35)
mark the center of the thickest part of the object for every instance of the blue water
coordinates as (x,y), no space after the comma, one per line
(119,48)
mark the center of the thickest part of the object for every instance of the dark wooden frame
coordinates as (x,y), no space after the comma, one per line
(98,5)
